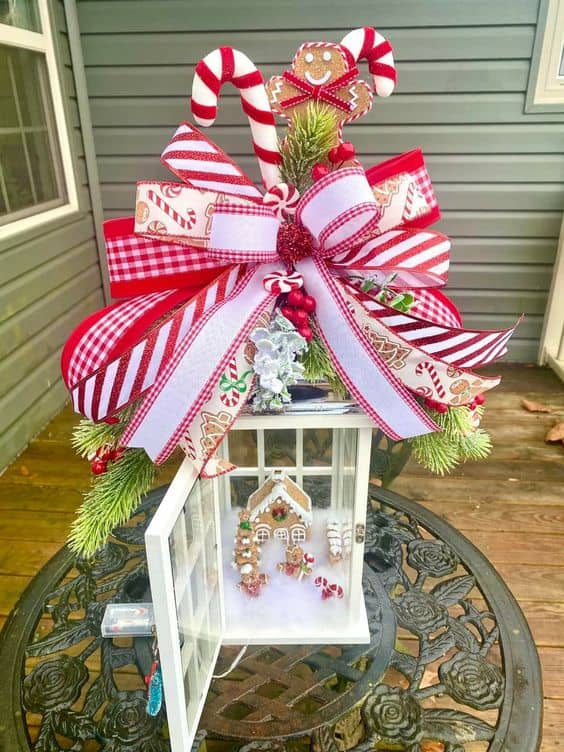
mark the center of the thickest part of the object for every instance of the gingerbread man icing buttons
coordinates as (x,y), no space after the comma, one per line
(325,72)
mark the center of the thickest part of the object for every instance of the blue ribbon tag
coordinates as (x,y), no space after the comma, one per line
(155,692)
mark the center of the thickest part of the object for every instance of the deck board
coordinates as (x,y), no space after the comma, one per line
(511,507)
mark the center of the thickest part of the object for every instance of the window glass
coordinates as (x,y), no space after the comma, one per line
(280,447)
(30,163)
(23,14)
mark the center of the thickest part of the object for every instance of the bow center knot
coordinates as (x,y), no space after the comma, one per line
(294,242)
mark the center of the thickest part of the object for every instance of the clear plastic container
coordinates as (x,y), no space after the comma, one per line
(128,619)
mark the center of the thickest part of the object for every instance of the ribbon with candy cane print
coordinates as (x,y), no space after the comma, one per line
(180,358)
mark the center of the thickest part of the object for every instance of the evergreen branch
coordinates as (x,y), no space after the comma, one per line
(457,441)
(111,501)
(307,143)
(88,436)
(435,451)
(318,367)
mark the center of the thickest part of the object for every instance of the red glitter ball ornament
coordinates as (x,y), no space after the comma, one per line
(293,243)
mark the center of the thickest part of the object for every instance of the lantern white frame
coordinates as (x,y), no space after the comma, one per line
(168,587)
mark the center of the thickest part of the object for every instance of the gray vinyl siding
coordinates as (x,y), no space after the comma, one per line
(463,71)
(49,282)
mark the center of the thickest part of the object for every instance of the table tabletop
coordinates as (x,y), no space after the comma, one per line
(451,664)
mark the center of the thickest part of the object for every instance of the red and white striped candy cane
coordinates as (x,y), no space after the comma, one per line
(367,44)
(328,589)
(186,223)
(227,64)
(432,371)
(231,397)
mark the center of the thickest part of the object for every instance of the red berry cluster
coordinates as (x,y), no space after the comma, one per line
(344,152)
(438,407)
(106,454)
(297,309)
(479,399)
(441,407)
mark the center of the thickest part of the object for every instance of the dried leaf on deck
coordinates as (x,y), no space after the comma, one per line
(555,434)
(535,407)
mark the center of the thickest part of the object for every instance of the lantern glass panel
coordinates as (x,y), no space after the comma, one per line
(322,461)
(280,448)
(197,591)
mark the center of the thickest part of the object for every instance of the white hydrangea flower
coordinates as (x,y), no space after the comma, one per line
(277,347)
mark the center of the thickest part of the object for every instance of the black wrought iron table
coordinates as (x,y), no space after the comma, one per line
(452,666)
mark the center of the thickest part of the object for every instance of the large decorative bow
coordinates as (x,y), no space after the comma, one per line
(186,350)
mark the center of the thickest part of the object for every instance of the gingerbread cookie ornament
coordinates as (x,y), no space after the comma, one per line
(325,72)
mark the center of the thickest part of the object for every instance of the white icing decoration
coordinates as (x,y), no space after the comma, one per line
(246,569)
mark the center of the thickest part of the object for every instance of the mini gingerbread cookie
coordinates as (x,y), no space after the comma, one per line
(325,72)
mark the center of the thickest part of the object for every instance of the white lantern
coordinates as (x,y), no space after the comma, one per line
(198,606)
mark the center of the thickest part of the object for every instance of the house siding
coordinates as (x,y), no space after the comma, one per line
(463,72)
(49,281)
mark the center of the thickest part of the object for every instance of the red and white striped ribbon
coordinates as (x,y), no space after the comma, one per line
(418,259)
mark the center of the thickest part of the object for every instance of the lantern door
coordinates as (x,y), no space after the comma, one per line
(183,555)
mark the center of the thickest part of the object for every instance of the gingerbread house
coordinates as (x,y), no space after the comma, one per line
(280,509)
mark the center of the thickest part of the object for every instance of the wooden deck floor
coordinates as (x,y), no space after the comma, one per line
(511,507)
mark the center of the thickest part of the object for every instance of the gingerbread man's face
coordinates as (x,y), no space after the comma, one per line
(319,64)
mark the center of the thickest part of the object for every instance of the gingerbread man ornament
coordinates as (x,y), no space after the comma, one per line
(325,72)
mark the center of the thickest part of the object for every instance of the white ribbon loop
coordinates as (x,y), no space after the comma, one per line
(339,210)
(257,242)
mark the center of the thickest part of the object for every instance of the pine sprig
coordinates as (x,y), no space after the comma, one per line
(457,442)
(318,367)
(308,142)
(88,436)
(111,501)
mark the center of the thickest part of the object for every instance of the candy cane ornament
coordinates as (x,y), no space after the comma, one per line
(367,44)
(420,368)
(227,64)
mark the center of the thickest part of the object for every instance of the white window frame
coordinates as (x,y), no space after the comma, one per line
(546,83)
(44,42)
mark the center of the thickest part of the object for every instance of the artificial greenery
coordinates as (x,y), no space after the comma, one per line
(113,496)
(457,441)
(318,367)
(308,142)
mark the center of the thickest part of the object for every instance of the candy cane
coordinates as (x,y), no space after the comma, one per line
(328,589)
(227,64)
(187,224)
(367,44)
(432,371)
(231,397)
